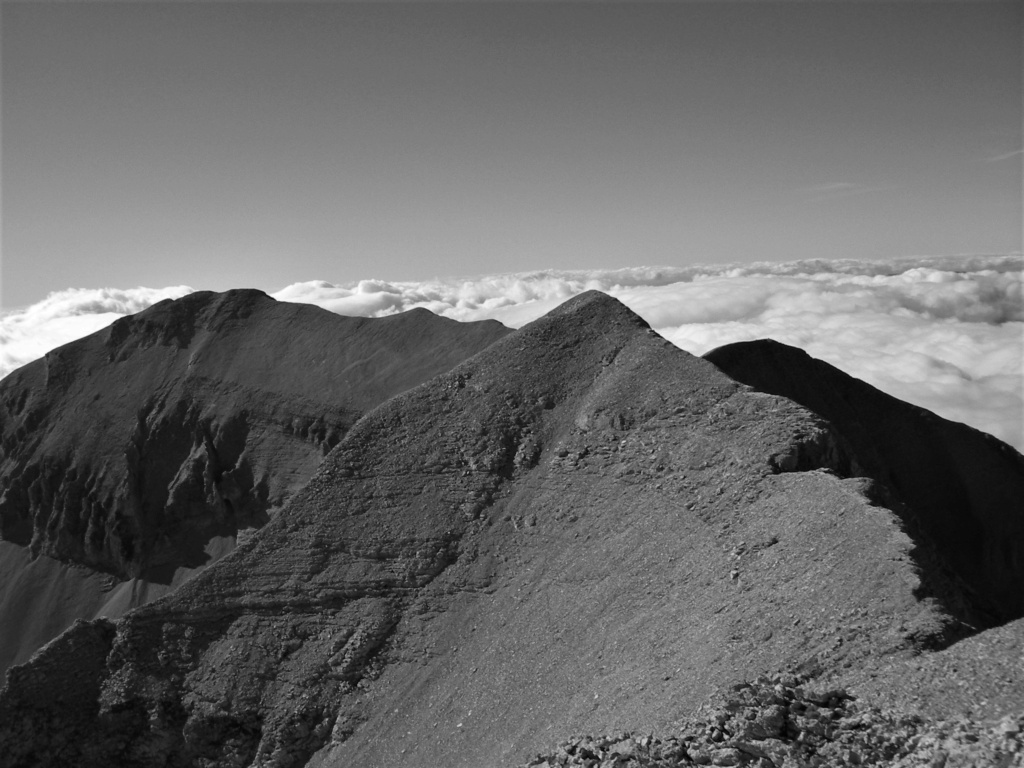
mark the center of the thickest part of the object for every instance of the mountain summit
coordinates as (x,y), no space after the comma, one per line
(138,454)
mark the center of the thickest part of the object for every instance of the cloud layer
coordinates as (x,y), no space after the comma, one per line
(945,333)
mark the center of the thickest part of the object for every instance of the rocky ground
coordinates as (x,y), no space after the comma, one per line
(788,722)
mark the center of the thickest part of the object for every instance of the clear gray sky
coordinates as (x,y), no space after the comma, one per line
(225,144)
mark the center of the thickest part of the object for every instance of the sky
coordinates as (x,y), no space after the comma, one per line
(260,144)
(843,176)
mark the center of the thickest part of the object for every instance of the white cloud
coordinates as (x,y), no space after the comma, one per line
(946,333)
(835,189)
(1005,156)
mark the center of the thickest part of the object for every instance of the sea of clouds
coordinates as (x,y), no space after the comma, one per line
(945,333)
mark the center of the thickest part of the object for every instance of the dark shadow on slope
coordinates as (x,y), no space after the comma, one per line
(957,489)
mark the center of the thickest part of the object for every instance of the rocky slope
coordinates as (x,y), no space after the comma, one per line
(580,529)
(777,721)
(962,707)
(959,489)
(132,457)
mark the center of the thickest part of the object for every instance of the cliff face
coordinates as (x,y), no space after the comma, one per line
(958,489)
(144,450)
(580,529)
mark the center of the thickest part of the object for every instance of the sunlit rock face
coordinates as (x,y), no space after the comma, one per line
(142,452)
(581,529)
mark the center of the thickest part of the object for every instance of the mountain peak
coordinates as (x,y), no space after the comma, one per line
(143,449)
(177,321)
(561,492)
(597,308)
(580,527)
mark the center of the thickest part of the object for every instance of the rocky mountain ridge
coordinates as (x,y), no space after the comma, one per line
(579,529)
(143,451)
(951,483)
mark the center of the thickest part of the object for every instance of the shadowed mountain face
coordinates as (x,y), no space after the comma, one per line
(580,529)
(144,449)
(959,489)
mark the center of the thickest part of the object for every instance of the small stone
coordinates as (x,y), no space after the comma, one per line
(751,750)
(625,748)
(726,756)
(699,756)
(1008,726)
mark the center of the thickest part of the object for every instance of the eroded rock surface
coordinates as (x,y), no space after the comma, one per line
(580,529)
(144,450)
